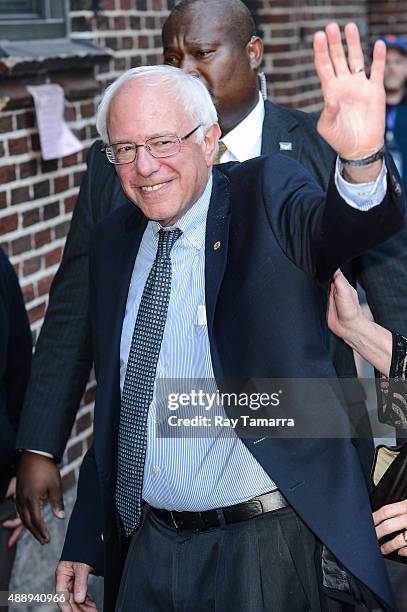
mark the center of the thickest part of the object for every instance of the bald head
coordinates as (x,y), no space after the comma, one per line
(238,23)
(215,41)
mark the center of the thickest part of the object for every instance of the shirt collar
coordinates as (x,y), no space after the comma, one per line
(193,222)
(244,136)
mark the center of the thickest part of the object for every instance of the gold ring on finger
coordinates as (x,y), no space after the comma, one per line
(358,69)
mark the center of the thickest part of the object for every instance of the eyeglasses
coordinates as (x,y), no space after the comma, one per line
(159,146)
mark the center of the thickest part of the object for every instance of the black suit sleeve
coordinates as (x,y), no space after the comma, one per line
(319,232)
(63,356)
(83,540)
(15,362)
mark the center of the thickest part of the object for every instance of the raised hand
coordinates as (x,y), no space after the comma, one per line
(353,119)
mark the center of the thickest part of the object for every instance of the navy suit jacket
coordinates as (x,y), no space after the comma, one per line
(281,240)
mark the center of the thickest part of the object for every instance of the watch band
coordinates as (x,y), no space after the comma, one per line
(365,161)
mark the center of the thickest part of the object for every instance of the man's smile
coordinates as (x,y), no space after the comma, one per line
(155,187)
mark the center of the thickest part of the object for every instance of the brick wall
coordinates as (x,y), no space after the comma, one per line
(287,27)
(387,17)
(37,198)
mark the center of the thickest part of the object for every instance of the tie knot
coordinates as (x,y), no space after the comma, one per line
(166,241)
(222,148)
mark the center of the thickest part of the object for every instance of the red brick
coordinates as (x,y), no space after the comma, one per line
(28,292)
(6,248)
(50,211)
(3,199)
(62,229)
(69,203)
(18,146)
(119,64)
(68,480)
(87,110)
(42,237)
(84,422)
(6,124)
(75,451)
(30,266)
(119,23)
(8,224)
(61,183)
(77,178)
(70,160)
(26,120)
(128,42)
(142,42)
(36,313)
(53,257)
(35,142)
(7,174)
(21,245)
(30,217)
(19,195)
(28,168)
(126,5)
(41,189)
(70,113)
(90,395)
(49,165)
(44,285)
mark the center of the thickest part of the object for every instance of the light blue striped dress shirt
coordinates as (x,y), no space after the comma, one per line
(196,473)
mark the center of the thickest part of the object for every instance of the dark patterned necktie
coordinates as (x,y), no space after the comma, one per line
(139,382)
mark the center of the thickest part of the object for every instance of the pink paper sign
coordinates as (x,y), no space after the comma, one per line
(56,139)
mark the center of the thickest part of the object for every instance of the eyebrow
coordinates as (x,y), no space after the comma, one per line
(157,135)
(194,43)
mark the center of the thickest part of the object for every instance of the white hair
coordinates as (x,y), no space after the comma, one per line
(188,90)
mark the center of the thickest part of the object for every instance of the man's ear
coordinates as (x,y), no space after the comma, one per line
(210,143)
(255,52)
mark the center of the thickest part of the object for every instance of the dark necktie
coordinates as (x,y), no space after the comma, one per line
(139,382)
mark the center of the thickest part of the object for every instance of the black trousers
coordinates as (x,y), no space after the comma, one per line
(266,564)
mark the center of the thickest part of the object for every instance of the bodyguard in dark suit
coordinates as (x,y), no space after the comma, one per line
(261,240)
(64,346)
(15,361)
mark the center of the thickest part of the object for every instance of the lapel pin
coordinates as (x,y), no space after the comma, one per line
(286,146)
(216,246)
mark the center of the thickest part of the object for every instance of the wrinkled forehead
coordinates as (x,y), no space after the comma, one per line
(144,110)
(198,26)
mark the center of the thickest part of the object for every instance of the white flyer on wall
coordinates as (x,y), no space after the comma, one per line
(56,138)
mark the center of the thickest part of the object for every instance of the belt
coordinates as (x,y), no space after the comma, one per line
(201,521)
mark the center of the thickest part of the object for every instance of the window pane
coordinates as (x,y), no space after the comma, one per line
(26,8)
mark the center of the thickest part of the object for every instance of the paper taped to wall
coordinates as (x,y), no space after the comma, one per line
(56,138)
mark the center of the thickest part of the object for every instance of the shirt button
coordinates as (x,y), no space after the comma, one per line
(156,470)
(156,420)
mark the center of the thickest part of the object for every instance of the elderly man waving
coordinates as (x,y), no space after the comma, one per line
(221,274)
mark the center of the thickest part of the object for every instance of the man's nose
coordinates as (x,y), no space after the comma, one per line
(188,65)
(145,163)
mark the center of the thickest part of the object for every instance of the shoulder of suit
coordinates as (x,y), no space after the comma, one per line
(307,120)
(257,167)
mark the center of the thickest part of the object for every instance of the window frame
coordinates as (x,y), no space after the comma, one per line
(48,20)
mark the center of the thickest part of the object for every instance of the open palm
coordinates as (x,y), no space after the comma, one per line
(353,118)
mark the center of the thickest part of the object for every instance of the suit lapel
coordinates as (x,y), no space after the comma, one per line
(216,249)
(129,239)
(279,132)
